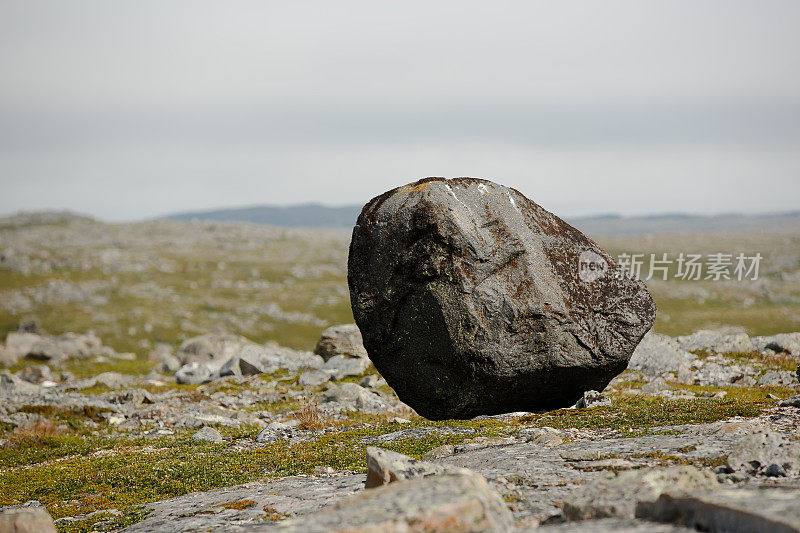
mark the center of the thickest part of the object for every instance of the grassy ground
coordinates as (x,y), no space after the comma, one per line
(79,473)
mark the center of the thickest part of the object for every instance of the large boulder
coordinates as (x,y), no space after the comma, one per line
(472,300)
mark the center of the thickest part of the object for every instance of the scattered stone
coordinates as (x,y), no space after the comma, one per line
(36,374)
(193,374)
(341,366)
(472,300)
(655,386)
(419,433)
(208,434)
(439,452)
(782,342)
(352,397)
(723,340)
(658,354)
(617,495)
(11,384)
(315,378)
(593,398)
(211,349)
(449,502)
(112,380)
(372,382)
(775,470)
(792,401)
(385,466)
(778,378)
(730,510)
(544,436)
(341,340)
(30,517)
(274,432)
(754,453)
(617,525)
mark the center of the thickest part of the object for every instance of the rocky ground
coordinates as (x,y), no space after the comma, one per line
(226,432)
(186,426)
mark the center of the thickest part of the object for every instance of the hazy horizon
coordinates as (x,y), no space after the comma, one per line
(138,110)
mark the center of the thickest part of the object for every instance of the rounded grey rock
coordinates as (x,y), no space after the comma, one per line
(473,300)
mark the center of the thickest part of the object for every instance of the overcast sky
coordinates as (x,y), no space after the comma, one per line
(128,110)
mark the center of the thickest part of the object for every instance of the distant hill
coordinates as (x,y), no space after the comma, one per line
(679,223)
(305,215)
(316,215)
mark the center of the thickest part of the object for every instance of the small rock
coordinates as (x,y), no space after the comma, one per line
(30,517)
(11,384)
(658,354)
(657,385)
(274,432)
(341,340)
(211,349)
(732,510)
(777,378)
(385,466)
(342,366)
(208,434)
(592,398)
(315,378)
(792,401)
(775,470)
(36,374)
(398,420)
(617,495)
(193,374)
(352,397)
(448,502)
(372,381)
(782,342)
(544,436)
(723,340)
(755,452)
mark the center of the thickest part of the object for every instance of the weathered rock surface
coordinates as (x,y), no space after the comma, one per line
(731,510)
(211,349)
(724,340)
(782,342)
(386,466)
(617,495)
(203,511)
(450,502)
(659,354)
(352,397)
(30,517)
(341,340)
(471,301)
(757,452)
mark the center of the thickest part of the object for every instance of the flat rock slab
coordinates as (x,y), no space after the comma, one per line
(542,477)
(450,502)
(204,511)
(473,300)
(739,510)
(612,525)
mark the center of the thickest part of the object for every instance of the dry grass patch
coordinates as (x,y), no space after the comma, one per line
(309,417)
(35,433)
